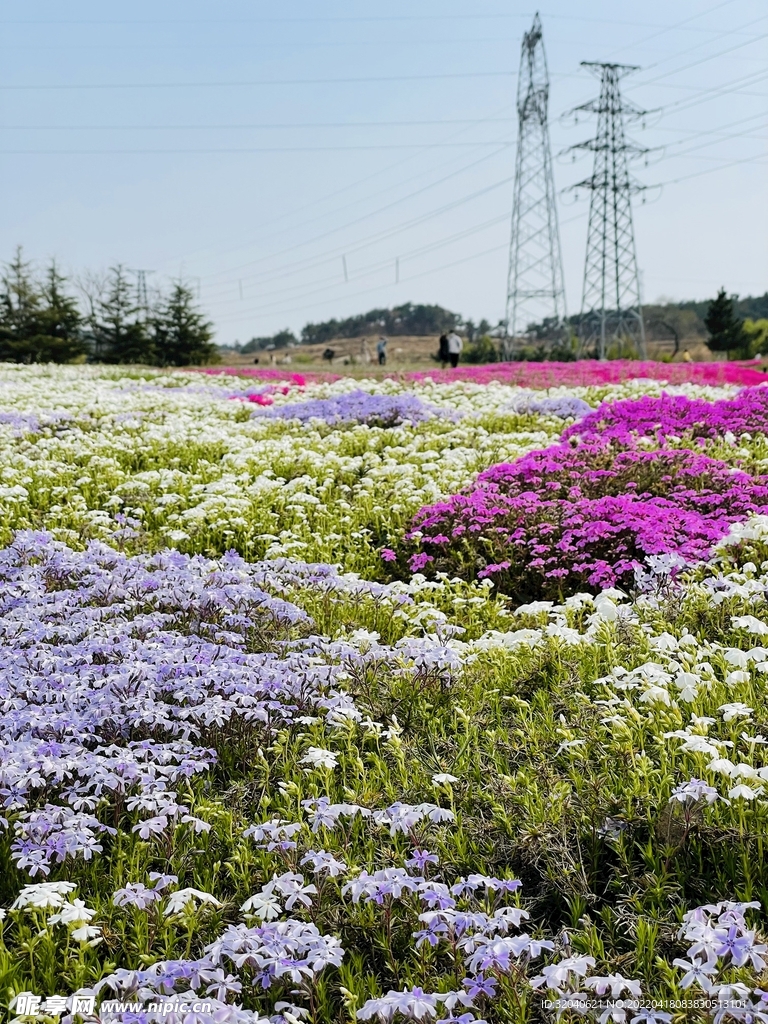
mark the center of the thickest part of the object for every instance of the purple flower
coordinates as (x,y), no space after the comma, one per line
(358,407)
(420,858)
(480,986)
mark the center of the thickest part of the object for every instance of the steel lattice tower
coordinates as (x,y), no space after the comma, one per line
(535,288)
(142,301)
(610,306)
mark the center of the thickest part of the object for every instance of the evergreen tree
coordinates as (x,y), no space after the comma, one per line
(182,336)
(726,330)
(120,335)
(38,323)
(61,324)
(20,303)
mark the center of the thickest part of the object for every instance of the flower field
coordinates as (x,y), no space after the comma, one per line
(434,699)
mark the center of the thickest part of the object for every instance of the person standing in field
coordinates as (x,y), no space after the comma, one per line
(381,350)
(442,352)
(455,345)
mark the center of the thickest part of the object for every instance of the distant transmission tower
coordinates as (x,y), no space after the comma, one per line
(142,302)
(610,308)
(535,288)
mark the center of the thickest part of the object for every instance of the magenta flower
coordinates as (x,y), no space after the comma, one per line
(585,515)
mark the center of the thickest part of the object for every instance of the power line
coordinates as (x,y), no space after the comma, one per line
(371,268)
(252,149)
(411,254)
(373,213)
(709,57)
(256,125)
(376,288)
(345,191)
(310,262)
(715,92)
(258,81)
(347,19)
(711,170)
(677,25)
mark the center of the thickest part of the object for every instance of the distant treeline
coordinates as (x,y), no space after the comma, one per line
(44,317)
(666,321)
(408,319)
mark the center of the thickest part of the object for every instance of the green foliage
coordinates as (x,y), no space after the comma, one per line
(282,339)
(39,323)
(120,334)
(726,330)
(559,350)
(757,334)
(406,319)
(483,350)
(61,320)
(181,335)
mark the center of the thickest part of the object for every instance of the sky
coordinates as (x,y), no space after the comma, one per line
(300,161)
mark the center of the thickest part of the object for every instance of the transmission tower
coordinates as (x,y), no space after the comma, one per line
(610,308)
(535,288)
(142,302)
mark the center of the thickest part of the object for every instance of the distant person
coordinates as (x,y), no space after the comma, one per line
(329,355)
(365,352)
(442,353)
(455,346)
(687,356)
(381,350)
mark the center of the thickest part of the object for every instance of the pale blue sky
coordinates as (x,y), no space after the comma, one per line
(250,146)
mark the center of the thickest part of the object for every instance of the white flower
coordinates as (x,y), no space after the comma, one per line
(319,758)
(722,766)
(177,901)
(615,983)
(443,779)
(75,912)
(696,971)
(742,792)
(737,676)
(265,904)
(86,933)
(737,710)
(605,608)
(655,695)
(43,895)
(750,623)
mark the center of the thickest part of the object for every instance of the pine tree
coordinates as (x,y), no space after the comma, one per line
(182,336)
(120,335)
(726,331)
(61,338)
(20,303)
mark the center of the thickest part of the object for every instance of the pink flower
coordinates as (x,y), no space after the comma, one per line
(417,562)
(388,555)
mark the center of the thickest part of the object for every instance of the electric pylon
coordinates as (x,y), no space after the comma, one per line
(611,308)
(535,288)
(142,302)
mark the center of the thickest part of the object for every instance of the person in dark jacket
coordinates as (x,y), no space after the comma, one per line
(442,353)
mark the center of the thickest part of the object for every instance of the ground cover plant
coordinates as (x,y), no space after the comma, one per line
(253,766)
